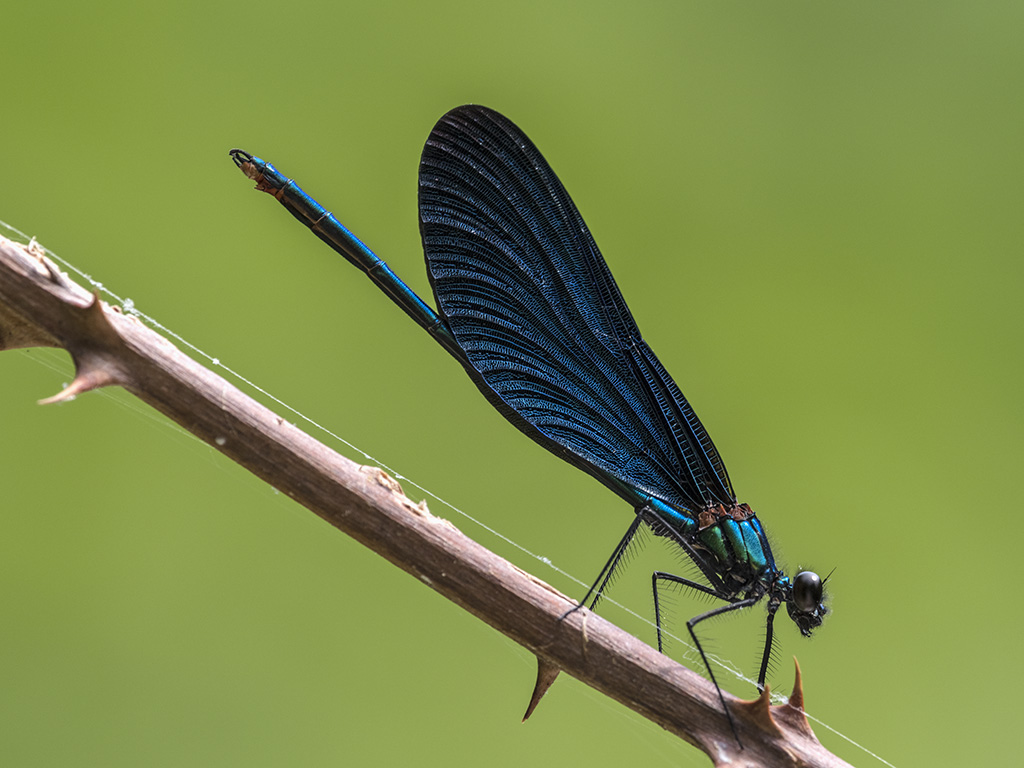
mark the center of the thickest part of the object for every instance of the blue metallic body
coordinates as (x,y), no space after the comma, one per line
(527,305)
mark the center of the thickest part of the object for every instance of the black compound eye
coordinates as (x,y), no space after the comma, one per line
(807,591)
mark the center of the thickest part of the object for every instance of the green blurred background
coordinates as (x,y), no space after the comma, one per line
(814,210)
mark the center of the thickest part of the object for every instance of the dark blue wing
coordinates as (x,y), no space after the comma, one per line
(520,282)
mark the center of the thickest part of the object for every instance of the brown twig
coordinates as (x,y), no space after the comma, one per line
(39,306)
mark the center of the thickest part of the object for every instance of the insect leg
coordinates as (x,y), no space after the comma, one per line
(769,636)
(606,573)
(739,605)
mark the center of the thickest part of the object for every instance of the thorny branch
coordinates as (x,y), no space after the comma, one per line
(40,306)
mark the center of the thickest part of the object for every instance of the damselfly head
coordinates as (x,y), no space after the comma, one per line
(805,605)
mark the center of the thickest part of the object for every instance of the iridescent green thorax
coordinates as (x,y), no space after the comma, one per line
(735,537)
